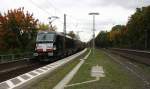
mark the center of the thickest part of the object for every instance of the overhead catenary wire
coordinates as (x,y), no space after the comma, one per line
(60,11)
(72,22)
(36,5)
(44,10)
(68,15)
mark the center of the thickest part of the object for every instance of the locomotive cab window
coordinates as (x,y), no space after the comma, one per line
(44,37)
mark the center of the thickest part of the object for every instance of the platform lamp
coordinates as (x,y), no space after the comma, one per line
(93,14)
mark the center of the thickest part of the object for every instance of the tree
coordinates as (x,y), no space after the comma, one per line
(139,28)
(102,39)
(43,27)
(46,27)
(72,34)
(18,28)
(117,35)
(135,35)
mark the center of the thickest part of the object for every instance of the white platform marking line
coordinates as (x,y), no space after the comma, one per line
(62,84)
(30,76)
(95,69)
(35,72)
(68,77)
(87,55)
(21,79)
(43,70)
(10,84)
(96,79)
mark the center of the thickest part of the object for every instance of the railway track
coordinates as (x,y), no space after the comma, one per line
(135,55)
(13,69)
(132,61)
(12,65)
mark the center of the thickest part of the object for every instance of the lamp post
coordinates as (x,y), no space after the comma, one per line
(93,14)
(52,18)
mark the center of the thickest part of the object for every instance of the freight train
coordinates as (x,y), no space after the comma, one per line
(55,45)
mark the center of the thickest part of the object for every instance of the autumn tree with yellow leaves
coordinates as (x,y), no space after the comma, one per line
(17,29)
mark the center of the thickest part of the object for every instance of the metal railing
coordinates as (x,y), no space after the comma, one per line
(15,57)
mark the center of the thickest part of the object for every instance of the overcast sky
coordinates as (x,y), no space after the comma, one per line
(112,12)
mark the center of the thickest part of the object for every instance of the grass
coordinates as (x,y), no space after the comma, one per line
(52,79)
(117,77)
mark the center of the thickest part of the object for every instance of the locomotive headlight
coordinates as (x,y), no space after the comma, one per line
(38,46)
(54,48)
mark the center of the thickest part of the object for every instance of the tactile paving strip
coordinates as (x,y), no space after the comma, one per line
(32,73)
(25,77)
(15,81)
(44,68)
(48,67)
(39,71)
(4,85)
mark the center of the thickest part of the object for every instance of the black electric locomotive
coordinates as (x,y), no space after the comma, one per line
(52,45)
